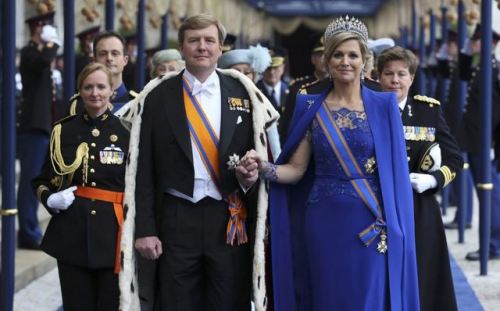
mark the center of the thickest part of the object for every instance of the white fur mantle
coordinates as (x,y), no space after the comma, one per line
(263,114)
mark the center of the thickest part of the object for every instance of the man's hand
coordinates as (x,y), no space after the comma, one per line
(149,247)
(247,171)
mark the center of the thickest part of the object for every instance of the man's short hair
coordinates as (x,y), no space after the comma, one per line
(106,35)
(201,21)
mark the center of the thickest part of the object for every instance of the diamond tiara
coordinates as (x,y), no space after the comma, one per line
(346,24)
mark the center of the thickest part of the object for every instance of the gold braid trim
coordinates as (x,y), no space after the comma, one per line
(61,168)
(40,190)
(448,174)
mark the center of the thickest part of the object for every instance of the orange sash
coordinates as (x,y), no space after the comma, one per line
(207,143)
(112,197)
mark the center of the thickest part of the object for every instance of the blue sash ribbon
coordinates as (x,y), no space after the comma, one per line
(352,169)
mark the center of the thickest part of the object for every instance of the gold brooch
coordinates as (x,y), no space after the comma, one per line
(95,132)
(113,138)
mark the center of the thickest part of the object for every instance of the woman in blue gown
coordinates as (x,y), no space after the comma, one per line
(341,216)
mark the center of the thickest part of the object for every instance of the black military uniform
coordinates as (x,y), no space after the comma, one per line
(91,154)
(38,90)
(34,121)
(424,125)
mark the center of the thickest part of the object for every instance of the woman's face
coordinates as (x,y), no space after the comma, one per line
(95,92)
(244,69)
(346,63)
(165,67)
(396,77)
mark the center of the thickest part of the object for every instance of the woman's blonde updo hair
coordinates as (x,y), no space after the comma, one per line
(341,30)
(91,68)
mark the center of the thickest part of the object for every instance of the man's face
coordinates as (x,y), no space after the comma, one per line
(109,52)
(273,75)
(317,61)
(201,49)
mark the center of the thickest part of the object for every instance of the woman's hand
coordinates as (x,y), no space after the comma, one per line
(61,200)
(247,171)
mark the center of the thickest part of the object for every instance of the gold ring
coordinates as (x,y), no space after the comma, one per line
(488,186)
(8,212)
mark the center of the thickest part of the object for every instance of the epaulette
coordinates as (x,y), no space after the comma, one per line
(66,118)
(133,94)
(428,100)
(299,79)
(305,86)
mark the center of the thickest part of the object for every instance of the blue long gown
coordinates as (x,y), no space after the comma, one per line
(347,275)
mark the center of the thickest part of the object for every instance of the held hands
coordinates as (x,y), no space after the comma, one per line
(247,170)
(149,247)
(49,34)
(61,200)
(422,182)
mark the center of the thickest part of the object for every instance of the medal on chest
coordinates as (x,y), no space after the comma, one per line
(111,155)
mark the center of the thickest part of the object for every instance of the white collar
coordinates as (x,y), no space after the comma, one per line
(196,86)
(402,103)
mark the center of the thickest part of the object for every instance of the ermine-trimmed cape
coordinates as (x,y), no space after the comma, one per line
(263,115)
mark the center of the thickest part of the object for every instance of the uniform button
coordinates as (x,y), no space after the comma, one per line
(92,157)
(93,212)
(92,170)
(92,184)
(92,144)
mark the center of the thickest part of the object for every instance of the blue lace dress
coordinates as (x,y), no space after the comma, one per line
(343,273)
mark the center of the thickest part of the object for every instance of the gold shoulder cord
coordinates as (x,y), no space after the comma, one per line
(61,168)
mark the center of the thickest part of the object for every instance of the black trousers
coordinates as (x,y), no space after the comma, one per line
(198,270)
(88,289)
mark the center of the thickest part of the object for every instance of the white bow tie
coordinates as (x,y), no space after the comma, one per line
(205,87)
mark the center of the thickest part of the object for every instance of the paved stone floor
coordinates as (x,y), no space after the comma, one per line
(39,290)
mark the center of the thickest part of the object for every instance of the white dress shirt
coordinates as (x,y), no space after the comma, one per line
(209,96)
(402,104)
(277,91)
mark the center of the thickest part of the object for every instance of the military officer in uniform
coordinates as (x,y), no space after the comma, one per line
(469,135)
(81,185)
(34,120)
(109,50)
(85,54)
(296,84)
(272,83)
(433,158)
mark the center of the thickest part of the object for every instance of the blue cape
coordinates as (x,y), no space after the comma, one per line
(287,206)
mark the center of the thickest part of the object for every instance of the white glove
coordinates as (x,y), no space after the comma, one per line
(435,154)
(61,200)
(422,182)
(49,34)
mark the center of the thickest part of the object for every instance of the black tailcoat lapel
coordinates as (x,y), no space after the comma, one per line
(176,115)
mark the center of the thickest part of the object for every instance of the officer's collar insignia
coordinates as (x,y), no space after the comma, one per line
(112,155)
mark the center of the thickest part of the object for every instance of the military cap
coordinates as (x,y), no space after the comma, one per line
(228,42)
(277,56)
(88,32)
(45,18)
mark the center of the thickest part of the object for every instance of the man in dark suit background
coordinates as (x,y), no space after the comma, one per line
(183,185)
(272,83)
